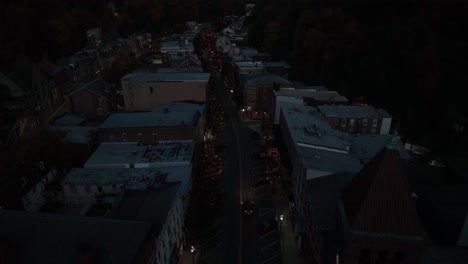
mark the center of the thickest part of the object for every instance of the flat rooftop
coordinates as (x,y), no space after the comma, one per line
(75,134)
(152,205)
(168,77)
(328,161)
(366,146)
(132,179)
(332,96)
(352,111)
(265,78)
(54,239)
(69,120)
(248,64)
(159,117)
(307,127)
(122,155)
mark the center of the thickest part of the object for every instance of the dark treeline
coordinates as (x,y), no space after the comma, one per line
(406,57)
(57,28)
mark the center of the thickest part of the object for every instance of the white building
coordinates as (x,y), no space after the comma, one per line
(133,155)
(34,199)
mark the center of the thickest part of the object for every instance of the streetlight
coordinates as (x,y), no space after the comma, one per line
(243,113)
(192,250)
(281,217)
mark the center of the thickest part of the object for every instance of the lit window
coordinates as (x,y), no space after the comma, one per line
(124,136)
(351,122)
(140,136)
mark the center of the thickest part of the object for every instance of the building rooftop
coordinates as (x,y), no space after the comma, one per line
(309,129)
(69,120)
(122,155)
(98,87)
(152,205)
(75,134)
(352,111)
(283,64)
(323,193)
(167,77)
(265,78)
(330,96)
(55,239)
(378,199)
(248,64)
(367,146)
(132,179)
(173,117)
(328,161)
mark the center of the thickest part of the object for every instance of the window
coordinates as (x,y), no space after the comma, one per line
(351,122)
(111,138)
(155,136)
(99,110)
(374,123)
(373,131)
(140,137)
(88,188)
(337,121)
(151,90)
(343,122)
(124,136)
(101,101)
(364,122)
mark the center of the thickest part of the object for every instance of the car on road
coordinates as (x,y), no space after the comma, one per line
(268,225)
(248,208)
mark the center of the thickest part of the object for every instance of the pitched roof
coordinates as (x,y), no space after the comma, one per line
(96,86)
(378,199)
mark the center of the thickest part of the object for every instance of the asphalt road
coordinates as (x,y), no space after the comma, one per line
(234,237)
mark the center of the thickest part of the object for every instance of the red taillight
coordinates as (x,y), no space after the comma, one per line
(245,211)
(251,211)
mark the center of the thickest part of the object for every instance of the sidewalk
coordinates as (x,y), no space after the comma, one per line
(289,247)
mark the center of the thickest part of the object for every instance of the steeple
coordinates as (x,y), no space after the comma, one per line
(378,199)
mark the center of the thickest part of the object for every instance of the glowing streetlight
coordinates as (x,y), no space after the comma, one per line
(192,250)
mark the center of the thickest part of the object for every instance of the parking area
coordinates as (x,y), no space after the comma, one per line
(268,228)
(270,246)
